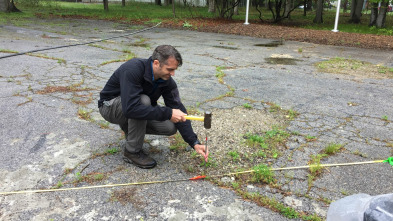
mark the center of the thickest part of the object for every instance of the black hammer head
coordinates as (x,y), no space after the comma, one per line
(207,123)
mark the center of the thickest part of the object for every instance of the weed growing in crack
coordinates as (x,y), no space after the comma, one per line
(255,139)
(344,192)
(84,114)
(82,99)
(128,57)
(262,173)
(268,142)
(310,138)
(190,169)
(274,107)
(357,152)
(176,142)
(103,124)
(261,153)
(113,150)
(59,185)
(210,163)
(333,148)
(7,51)
(292,114)
(192,110)
(78,176)
(220,74)
(315,168)
(325,200)
(89,178)
(98,176)
(194,154)
(61,61)
(230,93)
(235,155)
(385,118)
(235,185)
(247,106)
(272,204)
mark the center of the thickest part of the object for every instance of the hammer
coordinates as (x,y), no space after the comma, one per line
(207,123)
(207,119)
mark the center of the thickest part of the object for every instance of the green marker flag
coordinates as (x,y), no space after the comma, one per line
(389,160)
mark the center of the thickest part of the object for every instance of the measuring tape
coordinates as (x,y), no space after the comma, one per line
(389,160)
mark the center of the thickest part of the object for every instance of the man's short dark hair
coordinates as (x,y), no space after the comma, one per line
(163,52)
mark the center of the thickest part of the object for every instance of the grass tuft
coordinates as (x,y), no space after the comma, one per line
(333,148)
(262,173)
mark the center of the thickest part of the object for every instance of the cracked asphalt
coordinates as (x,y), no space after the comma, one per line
(45,143)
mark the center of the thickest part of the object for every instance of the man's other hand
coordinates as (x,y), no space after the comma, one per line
(177,116)
(200,148)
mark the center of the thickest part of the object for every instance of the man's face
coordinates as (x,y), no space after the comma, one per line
(165,71)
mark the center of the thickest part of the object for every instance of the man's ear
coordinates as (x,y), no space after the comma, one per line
(156,63)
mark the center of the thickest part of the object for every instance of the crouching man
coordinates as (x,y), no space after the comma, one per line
(129,99)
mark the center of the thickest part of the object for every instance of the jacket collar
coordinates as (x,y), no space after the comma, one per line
(148,75)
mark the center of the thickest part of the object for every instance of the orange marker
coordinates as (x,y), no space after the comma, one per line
(197,178)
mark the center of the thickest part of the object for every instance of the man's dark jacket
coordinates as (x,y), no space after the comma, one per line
(134,78)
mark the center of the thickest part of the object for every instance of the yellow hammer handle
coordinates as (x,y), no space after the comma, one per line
(194,118)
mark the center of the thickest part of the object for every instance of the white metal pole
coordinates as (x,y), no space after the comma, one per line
(337,15)
(248,3)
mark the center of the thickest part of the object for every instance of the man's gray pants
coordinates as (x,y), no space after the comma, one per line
(135,129)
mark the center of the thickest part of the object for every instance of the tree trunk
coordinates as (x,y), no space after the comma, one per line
(382,14)
(158,2)
(356,11)
(4,4)
(345,6)
(278,10)
(288,6)
(173,8)
(212,8)
(374,14)
(106,7)
(123,3)
(224,4)
(318,12)
(236,10)
(8,6)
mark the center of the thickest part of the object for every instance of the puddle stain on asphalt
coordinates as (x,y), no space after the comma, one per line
(40,143)
(225,47)
(270,44)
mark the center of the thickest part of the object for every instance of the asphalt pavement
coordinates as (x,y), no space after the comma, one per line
(52,134)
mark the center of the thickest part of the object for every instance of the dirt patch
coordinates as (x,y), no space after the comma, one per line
(228,141)
(61,89)
(128,195)
(355,68)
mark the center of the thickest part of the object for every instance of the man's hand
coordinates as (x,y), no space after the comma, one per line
(200,148)
(177,116)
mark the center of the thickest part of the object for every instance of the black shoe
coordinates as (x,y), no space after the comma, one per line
(140,159)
